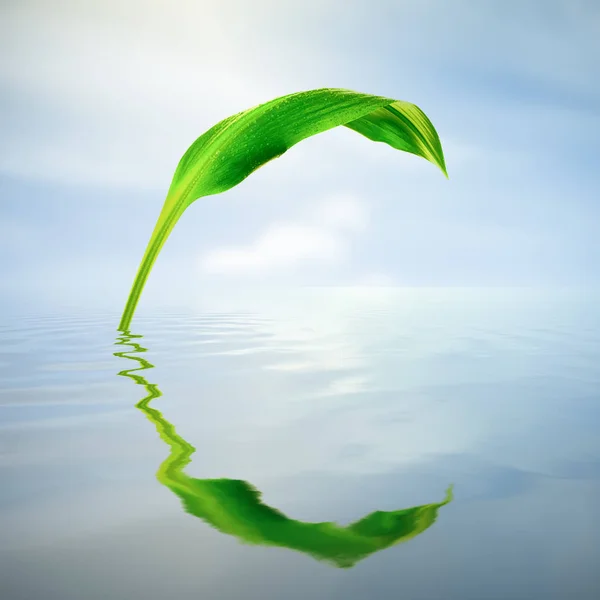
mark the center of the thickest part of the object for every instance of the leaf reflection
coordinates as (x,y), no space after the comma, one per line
(234,507)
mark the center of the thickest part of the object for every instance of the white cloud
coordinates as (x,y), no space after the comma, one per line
(282,246)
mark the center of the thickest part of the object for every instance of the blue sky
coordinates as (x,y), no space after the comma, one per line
(98,101)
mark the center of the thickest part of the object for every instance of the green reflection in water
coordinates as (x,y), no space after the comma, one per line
(234,507)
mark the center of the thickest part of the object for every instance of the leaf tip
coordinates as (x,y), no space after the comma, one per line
(441,163)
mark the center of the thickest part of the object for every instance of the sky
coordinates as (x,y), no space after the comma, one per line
(99,100)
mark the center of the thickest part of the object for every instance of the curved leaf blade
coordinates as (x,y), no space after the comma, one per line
(231,150)
(403,126)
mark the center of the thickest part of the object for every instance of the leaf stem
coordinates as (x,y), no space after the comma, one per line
(159,236)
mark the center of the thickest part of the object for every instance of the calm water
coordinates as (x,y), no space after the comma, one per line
(429,444)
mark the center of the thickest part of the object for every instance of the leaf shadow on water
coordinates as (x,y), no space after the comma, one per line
(234,507)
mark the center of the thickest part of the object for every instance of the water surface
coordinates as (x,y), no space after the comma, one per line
(305,447)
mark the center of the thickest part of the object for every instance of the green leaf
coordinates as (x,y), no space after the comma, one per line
(234,507)
(231,150)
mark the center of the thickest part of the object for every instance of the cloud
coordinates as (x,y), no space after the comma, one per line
(280,246)
(283,246)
